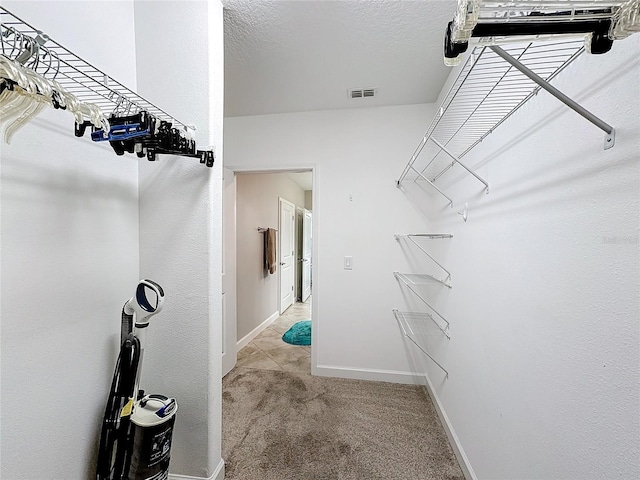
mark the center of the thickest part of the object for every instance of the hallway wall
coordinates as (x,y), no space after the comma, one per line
(357,155)
(308,200)
(257,206)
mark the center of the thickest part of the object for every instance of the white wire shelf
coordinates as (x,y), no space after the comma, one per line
(88,83)
(424,323)
(413,237)
(424,235)
(409,280)
(420,279)
(486,92)
(405,319)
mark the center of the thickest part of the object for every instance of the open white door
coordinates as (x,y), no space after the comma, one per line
(298,277)
(229,326)
(306,255)
(286,253)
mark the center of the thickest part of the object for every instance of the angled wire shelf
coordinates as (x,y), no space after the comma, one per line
(55,62)
(412,282)
(413,237)
(420,320)
(486,92)
(420,279)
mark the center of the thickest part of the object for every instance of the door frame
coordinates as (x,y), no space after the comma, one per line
(315,194)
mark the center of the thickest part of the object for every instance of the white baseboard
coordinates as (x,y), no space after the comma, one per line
(218,474)
(392,376)
(244,341)
(465,465)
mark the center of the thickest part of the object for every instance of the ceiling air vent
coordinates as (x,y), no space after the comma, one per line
(361,92)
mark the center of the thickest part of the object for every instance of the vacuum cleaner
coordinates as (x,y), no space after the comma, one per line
(135,439)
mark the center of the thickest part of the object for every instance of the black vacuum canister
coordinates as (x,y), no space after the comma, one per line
(152,424)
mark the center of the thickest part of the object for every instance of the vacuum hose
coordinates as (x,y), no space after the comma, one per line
(113,456)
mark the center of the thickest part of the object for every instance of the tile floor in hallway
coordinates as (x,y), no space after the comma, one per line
(269,352)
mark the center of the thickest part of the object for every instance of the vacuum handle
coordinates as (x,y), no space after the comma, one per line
(148,300)
(168,404)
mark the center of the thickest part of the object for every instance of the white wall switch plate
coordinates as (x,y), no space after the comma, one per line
(348,263)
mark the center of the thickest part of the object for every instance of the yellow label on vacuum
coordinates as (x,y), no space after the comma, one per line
(126,410)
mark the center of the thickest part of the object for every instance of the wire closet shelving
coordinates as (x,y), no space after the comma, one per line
(415,325)
(54,61)
(26,45)
(413,239)
(491,86)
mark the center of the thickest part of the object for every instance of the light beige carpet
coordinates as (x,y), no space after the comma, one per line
(280,425)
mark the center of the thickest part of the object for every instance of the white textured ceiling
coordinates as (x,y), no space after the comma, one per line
(302,55)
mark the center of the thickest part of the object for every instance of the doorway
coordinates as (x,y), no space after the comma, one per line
(283,201)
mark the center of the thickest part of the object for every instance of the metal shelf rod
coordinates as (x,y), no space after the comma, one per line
(553,91)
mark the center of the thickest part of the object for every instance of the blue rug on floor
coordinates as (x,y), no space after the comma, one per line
(299,333)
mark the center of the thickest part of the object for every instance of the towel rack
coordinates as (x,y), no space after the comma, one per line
(263,229)
(26,44)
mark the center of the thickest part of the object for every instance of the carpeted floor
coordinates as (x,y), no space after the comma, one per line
(280,425)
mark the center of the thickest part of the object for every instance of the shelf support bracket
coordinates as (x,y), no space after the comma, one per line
(457,160)
(32,47)
(433,185)
(401,278)
(608,129)
(404,332)
(447,281)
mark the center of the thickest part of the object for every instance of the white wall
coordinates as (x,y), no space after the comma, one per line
(69,261)
(308,200)
(357,155)
(543,358)
(257,206)
(180,211)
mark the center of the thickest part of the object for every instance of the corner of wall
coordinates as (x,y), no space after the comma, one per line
(454,441)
